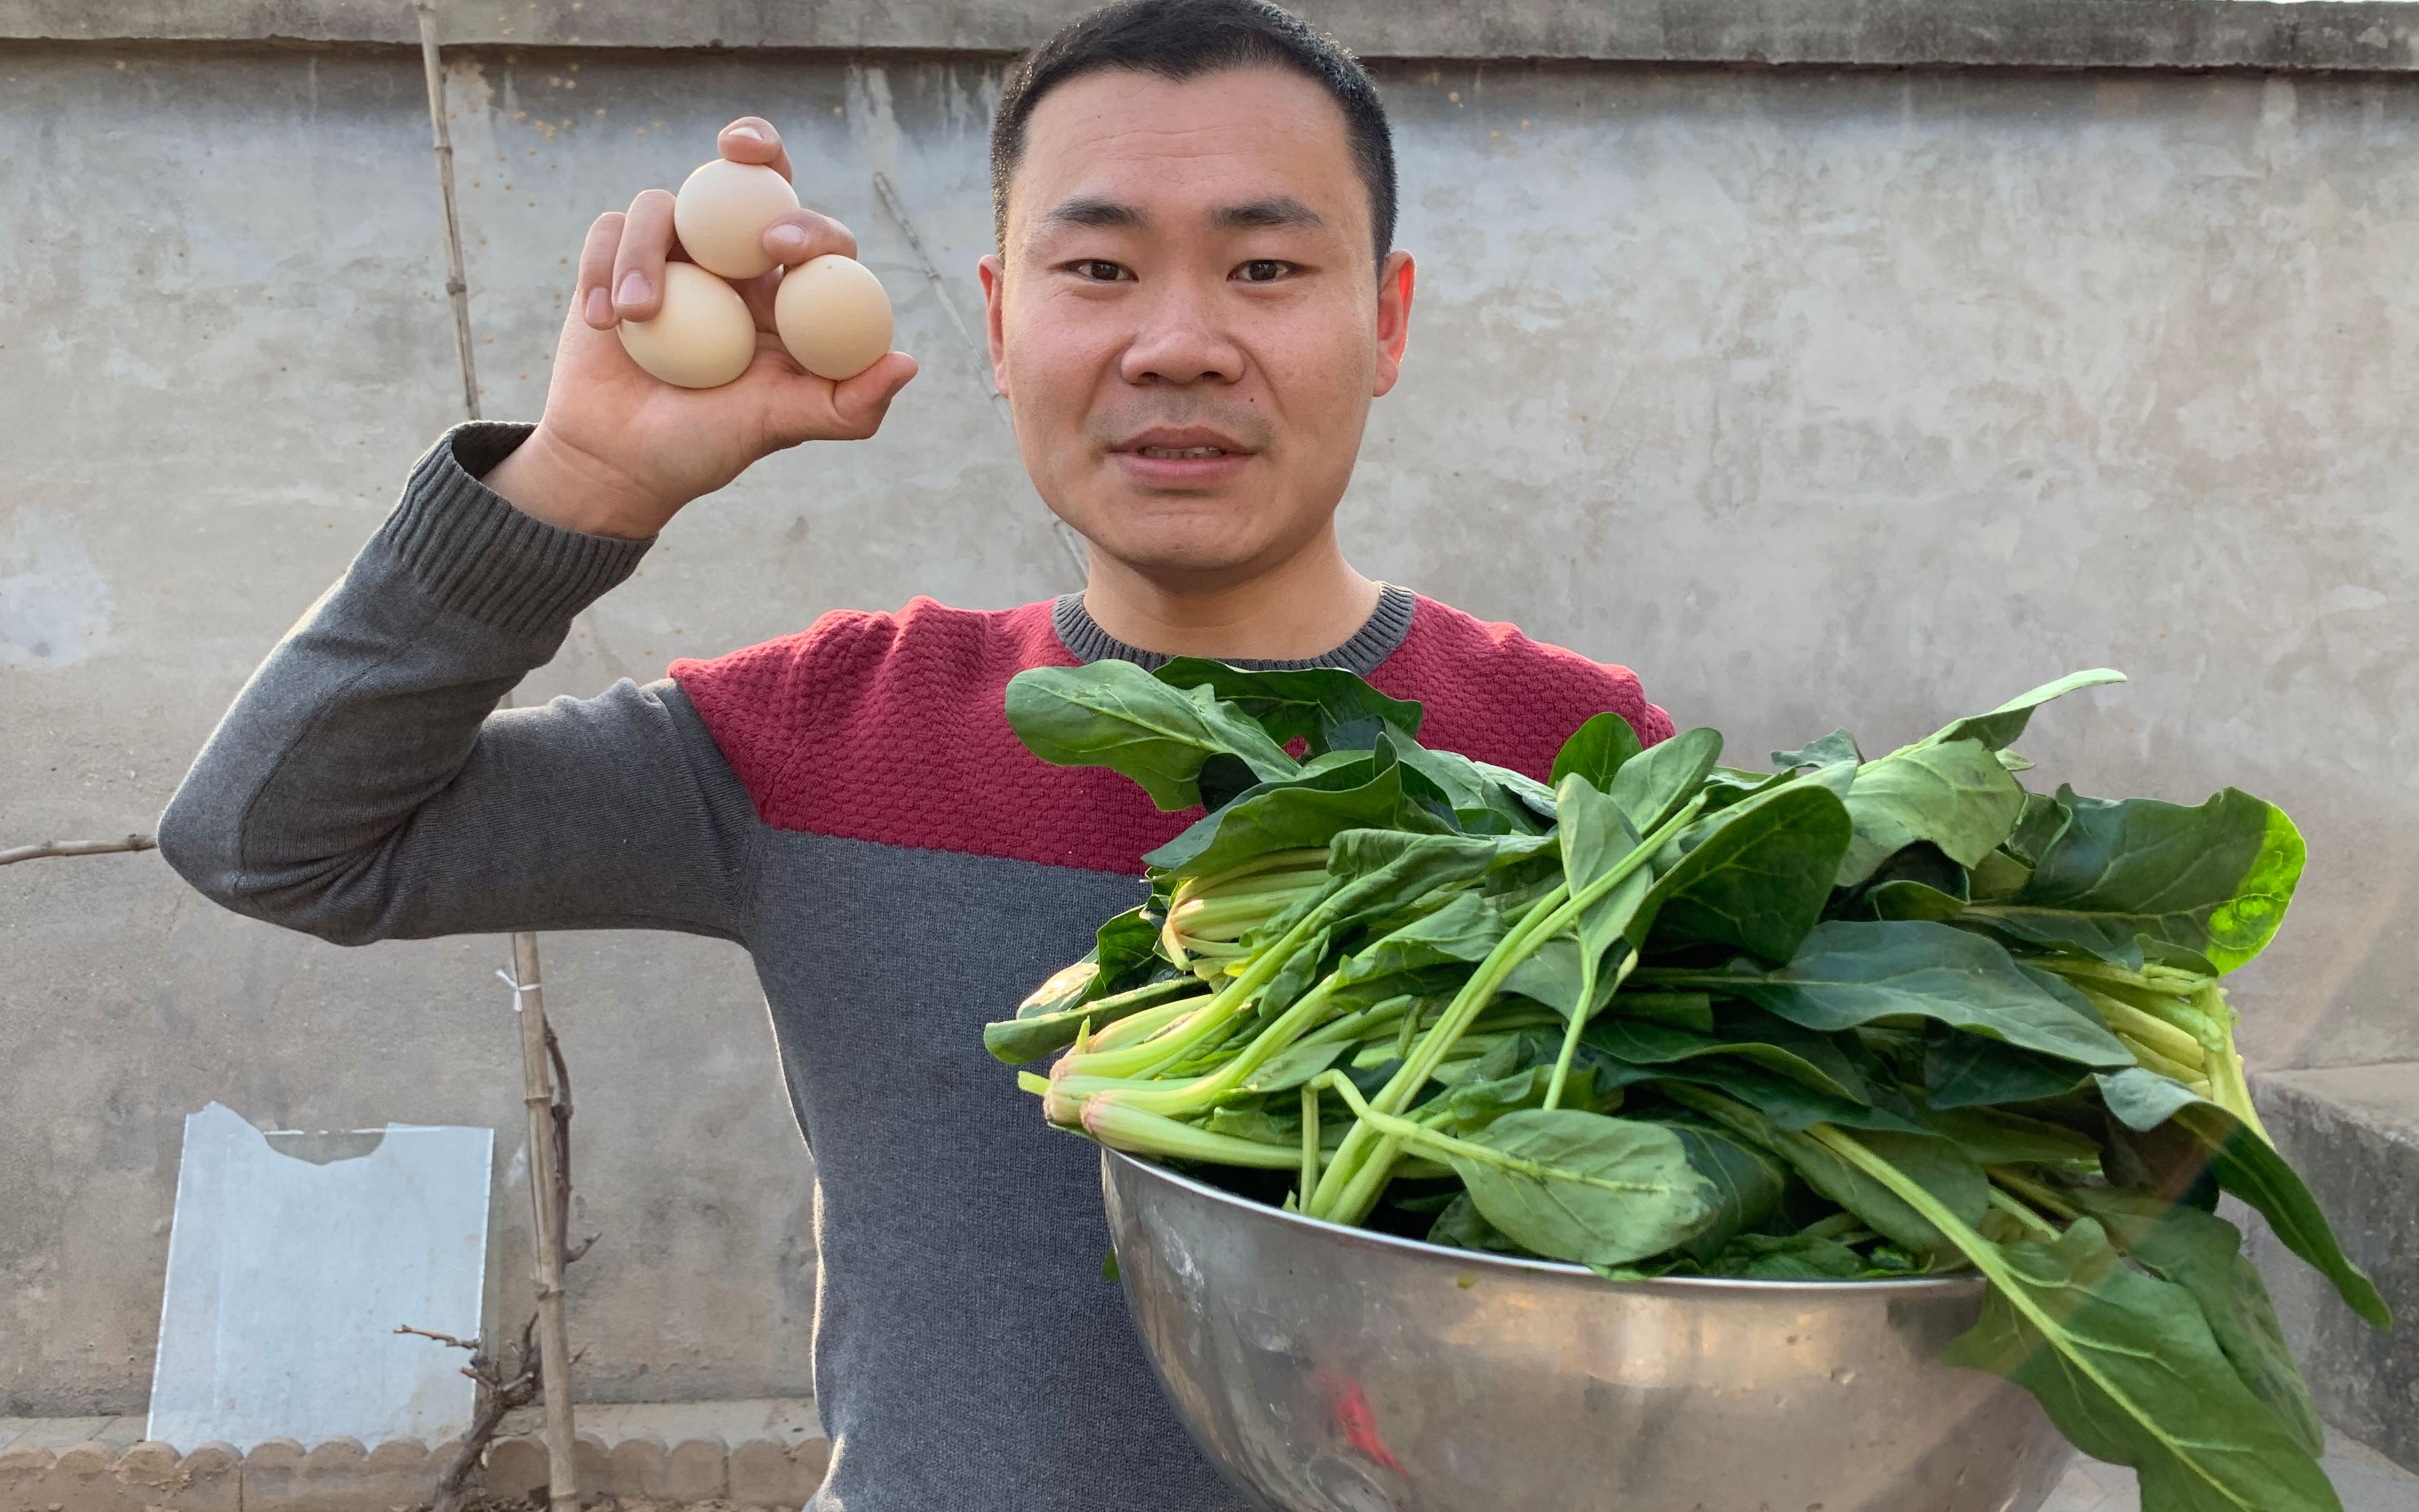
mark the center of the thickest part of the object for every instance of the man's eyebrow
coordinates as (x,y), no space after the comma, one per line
(1274,210)
(1093,210)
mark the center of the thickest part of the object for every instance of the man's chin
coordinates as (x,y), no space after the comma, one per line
(1195,550)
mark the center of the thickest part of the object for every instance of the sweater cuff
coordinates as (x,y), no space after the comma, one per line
(479,556)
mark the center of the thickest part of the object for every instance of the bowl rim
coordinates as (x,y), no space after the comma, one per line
(1927,1284)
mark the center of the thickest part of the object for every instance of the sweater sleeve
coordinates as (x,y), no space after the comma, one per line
(364,786)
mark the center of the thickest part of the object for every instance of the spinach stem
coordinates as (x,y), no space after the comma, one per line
(1155,1054)
(1177,1098)
(1309,1138)
(2009,1286)
(1411,1132)
(2034,1223)
(1579,1022)
(1147,1134)
(1348,1199)
(2039,1194)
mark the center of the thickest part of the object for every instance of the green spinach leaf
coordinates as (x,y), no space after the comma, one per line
(1851,974)
(1296,816)
(2004,725)
(2203,1254)
(2248,1166)
(1325,708)
(1584,1187)
(1758,881)
(1955,796)
(1651,786)
(2123,879)
(2127,1367)
(1839,746)
(1596,751)
(1114,714)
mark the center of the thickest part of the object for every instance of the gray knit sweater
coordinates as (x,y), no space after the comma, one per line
(848,805)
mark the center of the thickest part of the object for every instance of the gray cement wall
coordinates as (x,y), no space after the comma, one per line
(1818,395)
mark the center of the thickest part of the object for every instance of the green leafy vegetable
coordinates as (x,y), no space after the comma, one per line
(1955,796)
(1596,750)
(2136,877)
(1113,714)
(1840,1021)
(1849,975)
(1324,707)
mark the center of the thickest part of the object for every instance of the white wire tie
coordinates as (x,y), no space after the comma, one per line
(517,987)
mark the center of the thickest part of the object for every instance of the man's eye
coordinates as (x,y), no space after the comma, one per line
(1099,271)
(1262,270)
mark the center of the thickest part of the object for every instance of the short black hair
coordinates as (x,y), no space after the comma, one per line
(1181,39)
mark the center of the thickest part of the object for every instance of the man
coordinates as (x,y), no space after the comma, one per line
(1194,301)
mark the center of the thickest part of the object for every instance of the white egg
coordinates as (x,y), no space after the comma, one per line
(833,315)
(721,213)
(703,337)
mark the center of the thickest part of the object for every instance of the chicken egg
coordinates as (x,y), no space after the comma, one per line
(701,338)
(833,315)
(721,213)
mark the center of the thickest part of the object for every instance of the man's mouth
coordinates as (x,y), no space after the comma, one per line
(1184,452)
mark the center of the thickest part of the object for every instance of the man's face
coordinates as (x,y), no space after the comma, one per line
(1187,319)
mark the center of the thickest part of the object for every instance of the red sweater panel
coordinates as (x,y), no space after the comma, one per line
(893,728)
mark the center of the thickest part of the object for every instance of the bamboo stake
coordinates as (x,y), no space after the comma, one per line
(537,1086)
(457,286)
(545,1201)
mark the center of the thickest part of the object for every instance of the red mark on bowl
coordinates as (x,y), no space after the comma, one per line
(1349,1406)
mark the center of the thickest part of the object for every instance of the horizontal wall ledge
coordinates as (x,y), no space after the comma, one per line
(2363,36)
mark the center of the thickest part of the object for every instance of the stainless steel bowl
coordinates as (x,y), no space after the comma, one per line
(1327,1369)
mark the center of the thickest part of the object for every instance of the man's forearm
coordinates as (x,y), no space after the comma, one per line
(362,788)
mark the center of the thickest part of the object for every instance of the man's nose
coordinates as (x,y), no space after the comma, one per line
(1180,341)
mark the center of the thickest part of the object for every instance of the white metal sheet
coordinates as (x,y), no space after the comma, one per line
(287,1278)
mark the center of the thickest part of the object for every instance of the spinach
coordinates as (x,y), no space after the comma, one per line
(1849,975)
(2128,1369)
(1582,1186)
(1324,707)
(1954,796)
(2248,1166)
(1596,750)
(1651,786)
(1842,1020)
(1296,815)
(2204,887)
(1839,746)
(2003,725)
(1757,881)
(1114,714)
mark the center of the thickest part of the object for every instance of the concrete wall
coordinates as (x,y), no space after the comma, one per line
(1819,395)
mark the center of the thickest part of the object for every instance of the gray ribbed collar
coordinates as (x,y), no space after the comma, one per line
(1372,643)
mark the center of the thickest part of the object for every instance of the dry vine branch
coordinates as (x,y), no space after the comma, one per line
(42,848)
(519,1378)
(501,1388)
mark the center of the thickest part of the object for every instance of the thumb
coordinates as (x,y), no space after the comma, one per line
(861,403)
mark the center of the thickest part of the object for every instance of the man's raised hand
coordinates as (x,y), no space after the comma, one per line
(617,452)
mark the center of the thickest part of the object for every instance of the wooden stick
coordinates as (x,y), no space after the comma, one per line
(40,849)
(548,1191)
(457,286)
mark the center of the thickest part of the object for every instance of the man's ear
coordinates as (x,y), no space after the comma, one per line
(995,280)
(1394,279)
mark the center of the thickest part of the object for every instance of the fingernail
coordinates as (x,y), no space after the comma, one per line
(633,289)
(786,236)
(748,131)
(600,307)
